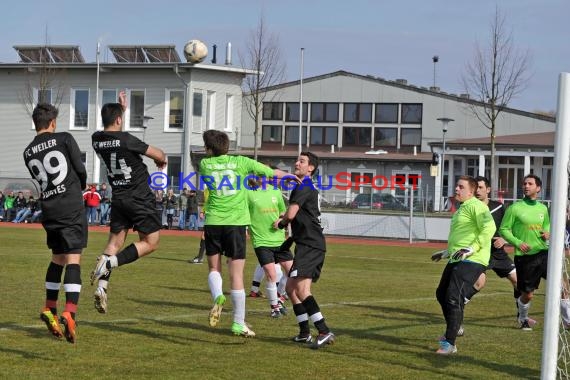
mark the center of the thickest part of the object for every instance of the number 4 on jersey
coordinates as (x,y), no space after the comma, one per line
(121,169)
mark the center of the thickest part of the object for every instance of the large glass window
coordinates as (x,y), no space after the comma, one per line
(175,108)
(292,135)
(327,112)
(292,111)
(386,113)
(272,111)
(79,108)
(356,136)
(136,107)
(358,112)
(411,136)
(173,169)
(411,113)
(271,133)
(385,137)
(324,135)
(197,104)
(109,96)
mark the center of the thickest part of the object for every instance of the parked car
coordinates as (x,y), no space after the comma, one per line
(378,201)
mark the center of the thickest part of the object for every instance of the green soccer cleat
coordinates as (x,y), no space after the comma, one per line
(216,311)
(242,330)
(52,323)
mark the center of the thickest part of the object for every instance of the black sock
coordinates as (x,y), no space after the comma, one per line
(202,248)
(53,280)
(302,319)
(516,293)
(72,286)
(127,255)
(255,283)
(315,315)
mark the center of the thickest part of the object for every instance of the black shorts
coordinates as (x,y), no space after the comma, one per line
(530,269)
(68,236)
(457,281)
(308,262)
(268,255)
(226,240)
(135,213)
(502,265)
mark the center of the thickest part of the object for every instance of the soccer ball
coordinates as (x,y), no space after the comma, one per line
(195,51)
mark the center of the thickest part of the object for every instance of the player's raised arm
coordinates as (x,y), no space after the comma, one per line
(157,155)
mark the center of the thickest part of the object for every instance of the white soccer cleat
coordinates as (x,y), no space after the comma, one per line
(100,300)
(100,269)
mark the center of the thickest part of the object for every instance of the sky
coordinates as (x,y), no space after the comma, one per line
(391,39)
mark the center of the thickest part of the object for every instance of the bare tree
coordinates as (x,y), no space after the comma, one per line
(262,53)
(45,81)
(497,74)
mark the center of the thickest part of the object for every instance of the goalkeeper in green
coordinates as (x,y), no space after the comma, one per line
(469,250)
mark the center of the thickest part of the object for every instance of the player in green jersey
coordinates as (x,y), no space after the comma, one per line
(228,216)
(526,225)
(469,249)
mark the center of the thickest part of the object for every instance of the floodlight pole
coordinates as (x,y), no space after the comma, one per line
(301,103)
(445,121)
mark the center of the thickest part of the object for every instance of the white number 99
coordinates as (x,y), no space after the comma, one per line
(43,169)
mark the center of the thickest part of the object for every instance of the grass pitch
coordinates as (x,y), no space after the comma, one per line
(378,300)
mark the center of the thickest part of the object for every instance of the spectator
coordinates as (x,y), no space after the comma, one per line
(159,205)
(170,204)
(182,204)
(92,202)
(36,212)
(20,205)
(23,213)
(192,210)
(2,198)
(9,206)
(105,194)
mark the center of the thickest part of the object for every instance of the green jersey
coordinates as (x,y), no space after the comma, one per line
(265,206)
(225,177)
(473,226)
(524,222)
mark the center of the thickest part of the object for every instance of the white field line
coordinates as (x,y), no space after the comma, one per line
(203,315)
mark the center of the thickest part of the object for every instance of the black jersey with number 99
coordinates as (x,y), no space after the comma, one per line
(54,160)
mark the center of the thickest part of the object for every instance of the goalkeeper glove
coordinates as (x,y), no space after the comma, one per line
(443,254)
(462,254)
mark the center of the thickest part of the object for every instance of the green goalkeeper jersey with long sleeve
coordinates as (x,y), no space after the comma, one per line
(472,226)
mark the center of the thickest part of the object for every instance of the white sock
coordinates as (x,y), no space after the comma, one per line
(258,274)
(113,261)
(282,284)
(565,310)
(523,310)
(215,284)
(271,293)
(238,303)
(278,271)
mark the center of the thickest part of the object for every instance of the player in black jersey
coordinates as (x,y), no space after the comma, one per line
(54,160)
(304,215)
(132,205)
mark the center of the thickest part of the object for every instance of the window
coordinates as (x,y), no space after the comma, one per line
(197,104)
(211,110)
(79,113)
(136,109)
(292,111)
(324,135)
(272,111)
(292,135)
(385,137)
(174,109)
(411,136)
(271,133)
(358,112)
(229,112)
(173,169)
(327,112)
(356,136)
(411,114)
(106,96)
(386,113)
